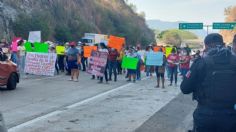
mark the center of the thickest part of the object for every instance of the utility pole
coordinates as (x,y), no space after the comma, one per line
(207,26)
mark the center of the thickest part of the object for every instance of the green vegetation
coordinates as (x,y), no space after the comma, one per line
(174,36)
(24,24)
(68,21)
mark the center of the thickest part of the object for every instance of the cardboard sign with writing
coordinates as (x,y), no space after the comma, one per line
(97,63)
(40,63)
(41,47)
(116,42)
(34,36)
(14,44)
(156,48)
(28,47)
(168,51)
(88,50)
(60,50)
(130,63)
(154,59)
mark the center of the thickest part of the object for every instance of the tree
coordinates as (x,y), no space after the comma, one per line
(172,38)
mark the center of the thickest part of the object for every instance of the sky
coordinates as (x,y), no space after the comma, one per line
(207,11)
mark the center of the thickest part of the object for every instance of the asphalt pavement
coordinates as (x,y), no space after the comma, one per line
(53,104)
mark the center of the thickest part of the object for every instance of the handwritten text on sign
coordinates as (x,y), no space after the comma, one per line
(97,63)
(40,63)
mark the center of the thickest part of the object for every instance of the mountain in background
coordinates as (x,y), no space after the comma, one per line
(164,25)
(68,20)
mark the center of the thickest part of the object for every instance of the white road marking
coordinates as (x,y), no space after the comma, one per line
(43,117)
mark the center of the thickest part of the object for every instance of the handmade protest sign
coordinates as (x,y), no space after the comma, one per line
(156,48)
(129,63)
(97,63)
(116,42)
(154,59)
(168,51)
(14,44)
(34,36)
(88,50)
(28,47)
(41,47)
(40,63)
(60,50)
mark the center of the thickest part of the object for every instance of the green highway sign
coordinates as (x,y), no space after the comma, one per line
(190,26)
(227,26)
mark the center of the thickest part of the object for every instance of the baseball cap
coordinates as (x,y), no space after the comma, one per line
(213,38)
(72,44)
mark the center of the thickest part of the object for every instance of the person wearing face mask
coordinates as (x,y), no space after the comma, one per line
(112,63)
(185,62)
(173,60)
(73,61)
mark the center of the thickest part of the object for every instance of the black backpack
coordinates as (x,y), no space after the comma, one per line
(219,85)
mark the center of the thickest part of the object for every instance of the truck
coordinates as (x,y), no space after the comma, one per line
(91,38)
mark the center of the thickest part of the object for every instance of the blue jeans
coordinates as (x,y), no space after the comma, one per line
(112,69)
(148,70)
(184,71)
(138,71)
(174,73)
(14,58)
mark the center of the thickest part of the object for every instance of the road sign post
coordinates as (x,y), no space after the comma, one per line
(190,26)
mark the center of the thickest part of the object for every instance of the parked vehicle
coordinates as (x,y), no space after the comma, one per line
(92,38)
(9,75)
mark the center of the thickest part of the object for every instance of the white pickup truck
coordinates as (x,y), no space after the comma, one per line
(92,38)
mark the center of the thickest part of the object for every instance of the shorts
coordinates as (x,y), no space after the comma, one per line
(73,64)
(132,72)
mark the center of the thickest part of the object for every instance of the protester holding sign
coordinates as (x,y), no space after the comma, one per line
(21,56)
(112,63)
(103,49)
(132,72)
(84,59)
(173,60)
(185,59)
(52,49)
(73,61)
(149,49)
(160,71)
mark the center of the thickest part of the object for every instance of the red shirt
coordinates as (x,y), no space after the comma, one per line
(186,59)
(173,58)
(113,55)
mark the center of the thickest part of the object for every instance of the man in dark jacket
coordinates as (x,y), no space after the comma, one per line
(211,79)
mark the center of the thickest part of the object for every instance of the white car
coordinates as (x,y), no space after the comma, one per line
(2,124)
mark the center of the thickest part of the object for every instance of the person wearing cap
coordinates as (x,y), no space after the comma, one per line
(211,80)
(234,46)
(73,61)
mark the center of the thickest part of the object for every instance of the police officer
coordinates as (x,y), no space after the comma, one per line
(212,80)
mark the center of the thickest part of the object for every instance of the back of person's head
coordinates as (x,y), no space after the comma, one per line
(161,50)
(173,50)
(213,40)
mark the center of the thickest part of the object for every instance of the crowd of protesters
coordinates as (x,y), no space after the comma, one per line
(73,60)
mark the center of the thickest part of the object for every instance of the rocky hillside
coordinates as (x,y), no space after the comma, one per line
(67,20)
